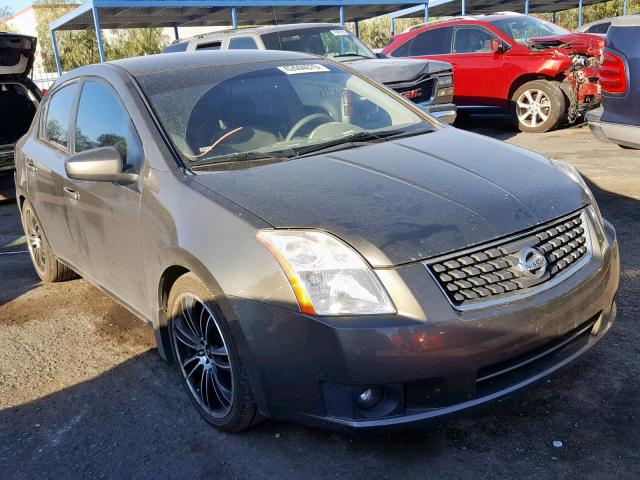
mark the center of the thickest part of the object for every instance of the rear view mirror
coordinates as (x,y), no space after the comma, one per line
(496,46)
(103,164)
(381,55)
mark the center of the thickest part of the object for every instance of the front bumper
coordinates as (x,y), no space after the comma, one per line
(430,359)
(445,112)
(627,135)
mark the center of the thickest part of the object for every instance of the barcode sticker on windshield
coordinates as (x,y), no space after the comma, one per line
(307,68)
(339,33)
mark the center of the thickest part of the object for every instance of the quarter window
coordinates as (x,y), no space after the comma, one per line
(432,42)
(209,46)
(58,115)
(101,120)
(472,40)
(242,43)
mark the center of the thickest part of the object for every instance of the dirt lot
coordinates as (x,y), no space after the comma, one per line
(83,393)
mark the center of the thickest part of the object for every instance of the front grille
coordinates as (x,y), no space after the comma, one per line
(6,158)
(420,91)
(476,276)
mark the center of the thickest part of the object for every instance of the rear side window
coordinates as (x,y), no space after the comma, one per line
(243,43)
(176,47)
(56,128)
(209,46)
(600,28)
(432,42)
(102,120)
(472,40)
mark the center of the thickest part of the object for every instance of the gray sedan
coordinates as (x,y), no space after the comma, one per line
(308,244)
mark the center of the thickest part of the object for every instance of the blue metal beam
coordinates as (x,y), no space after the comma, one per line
(357,27)
(624,7)
(464,7)
(234,18)
(175,31)
(526,7)
(393,25)
(579,12)
(426,12)
(342,15)
(56,54)
(96,23)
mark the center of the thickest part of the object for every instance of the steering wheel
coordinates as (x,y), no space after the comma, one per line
(304,121)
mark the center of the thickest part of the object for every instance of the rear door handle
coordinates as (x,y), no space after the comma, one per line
(70,193)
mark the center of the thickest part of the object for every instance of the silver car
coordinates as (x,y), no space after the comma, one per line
(308,244)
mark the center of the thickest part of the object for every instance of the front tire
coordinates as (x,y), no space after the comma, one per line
(45,263)
(538,106)
(211,369)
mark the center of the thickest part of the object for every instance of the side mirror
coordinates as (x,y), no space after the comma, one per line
(381,55)
(103,164)
(496,46)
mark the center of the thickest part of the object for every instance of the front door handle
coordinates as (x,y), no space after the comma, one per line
(70,193)
(31,164)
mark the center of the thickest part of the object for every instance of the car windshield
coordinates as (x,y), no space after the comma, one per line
(523,28)
(283,109)
(332,42)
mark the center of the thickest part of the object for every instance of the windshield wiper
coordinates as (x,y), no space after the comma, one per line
(359,139)
(242,157)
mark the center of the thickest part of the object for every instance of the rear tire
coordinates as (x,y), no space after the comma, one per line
(538,106)
(46,264)
(212,371)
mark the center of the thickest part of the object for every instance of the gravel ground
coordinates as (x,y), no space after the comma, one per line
(83,393)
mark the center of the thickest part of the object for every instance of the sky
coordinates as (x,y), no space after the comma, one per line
(15,5)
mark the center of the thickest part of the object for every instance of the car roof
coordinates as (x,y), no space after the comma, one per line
(626,21)
(138,66)
(261,30)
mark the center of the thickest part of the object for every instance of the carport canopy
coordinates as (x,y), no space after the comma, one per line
(112,14)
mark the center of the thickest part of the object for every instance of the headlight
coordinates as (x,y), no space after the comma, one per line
(445,80)
(327,276)
(573,174)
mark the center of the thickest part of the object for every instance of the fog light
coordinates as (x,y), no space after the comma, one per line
(370,397)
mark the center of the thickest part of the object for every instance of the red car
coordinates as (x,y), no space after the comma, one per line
(542,74)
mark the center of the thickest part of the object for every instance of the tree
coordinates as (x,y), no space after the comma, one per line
(80,47)
(5,11)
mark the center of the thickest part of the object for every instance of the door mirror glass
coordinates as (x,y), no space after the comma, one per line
(103,164)
(496,46)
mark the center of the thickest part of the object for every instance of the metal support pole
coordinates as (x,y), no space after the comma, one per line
(56,54)
(624,7)
(526,7)
(175,32)
(342,15)
(553,17)
(580,12)
(393,26)
(96,23)
(426,12)
(464,7)
(357,27)
(234,18)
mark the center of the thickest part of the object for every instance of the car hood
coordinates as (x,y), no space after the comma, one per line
(585,43)
(406,200)
(395,70)
(16,54)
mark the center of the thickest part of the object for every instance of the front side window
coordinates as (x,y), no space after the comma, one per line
(101,119)
(285,108)
(56,128)
(242,43)
(472,40)
(332,42)
(432,42)
(523,28)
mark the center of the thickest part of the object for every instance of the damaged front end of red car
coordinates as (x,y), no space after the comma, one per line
(582,53)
